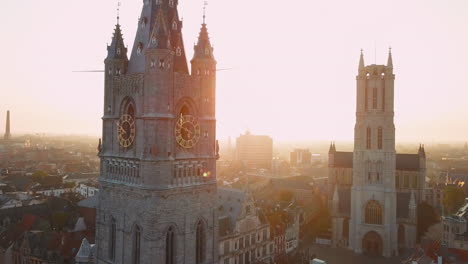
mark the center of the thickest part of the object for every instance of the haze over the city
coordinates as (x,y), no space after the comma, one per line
(289,66)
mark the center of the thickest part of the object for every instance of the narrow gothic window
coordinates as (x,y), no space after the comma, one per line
(178,51)
(200,244)
(380,138)
(171,3)
(366,98)
(170,246)
(383,98)
(207,51)
(154,40)
(174,25)
(368,138)
(118,51)
(373,214)
(374,99)
(140,48)
(136,245)
(112,239)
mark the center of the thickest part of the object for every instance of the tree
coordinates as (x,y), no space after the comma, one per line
(427,217)
(453,199)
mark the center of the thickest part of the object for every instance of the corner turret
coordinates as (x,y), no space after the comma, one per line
(116,61)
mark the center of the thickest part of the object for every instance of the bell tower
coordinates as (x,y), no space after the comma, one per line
(373,227)
(157,202)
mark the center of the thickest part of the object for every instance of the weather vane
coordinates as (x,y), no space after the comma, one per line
(205,3)
(118,11)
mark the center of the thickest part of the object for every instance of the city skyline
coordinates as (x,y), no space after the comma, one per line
(288,96)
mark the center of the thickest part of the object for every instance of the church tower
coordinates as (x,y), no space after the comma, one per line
(373,223)
(157,202)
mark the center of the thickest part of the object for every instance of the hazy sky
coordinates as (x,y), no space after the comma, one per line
(293,63)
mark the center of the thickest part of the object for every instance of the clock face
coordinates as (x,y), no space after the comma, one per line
(126,130)
(187,131)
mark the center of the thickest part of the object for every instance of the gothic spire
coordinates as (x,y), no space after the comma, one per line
(203,48)
(361,61)
(390,60)
(117,49)
(159,27)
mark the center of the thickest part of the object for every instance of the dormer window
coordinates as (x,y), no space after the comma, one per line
(207,51)
(154,41)
(140,48)
(144,21)
(174,25)
(119,51)
(179,51)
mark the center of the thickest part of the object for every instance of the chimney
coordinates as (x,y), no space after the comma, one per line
(7,129)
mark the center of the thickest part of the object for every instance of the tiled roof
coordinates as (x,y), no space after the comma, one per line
(404,162)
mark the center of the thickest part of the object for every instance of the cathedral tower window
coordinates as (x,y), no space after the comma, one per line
(171,3)
(119,51)
(170,246)
(366,98)
(368,138)
(380,138)
(373,213)
(136,245)
(200,243)
(179,51)
(174,25)
(383,98)
(139,48)
(112,239)
(374,98)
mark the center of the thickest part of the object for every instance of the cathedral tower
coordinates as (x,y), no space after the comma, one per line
(373,226)
(157,202)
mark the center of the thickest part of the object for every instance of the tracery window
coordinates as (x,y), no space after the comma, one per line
(374,99)
(136,245)
(200,243)
(112,239)
(373,213)
(170,246)
(368,138)
(380,138)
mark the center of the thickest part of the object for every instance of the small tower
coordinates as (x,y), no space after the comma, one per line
(7,127)
(204,69)
(115,65)
(116,62)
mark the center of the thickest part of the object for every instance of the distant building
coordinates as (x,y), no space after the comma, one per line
(255,152)
(374,192)
(244,236)
(7,127)
(87,189)
(300,157)
(456,229)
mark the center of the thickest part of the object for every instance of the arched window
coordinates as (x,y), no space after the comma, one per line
(366,98)
(374,98)
(380,138)
(368,138)
(112,239)
(136,245)
(170,246)
(174,25)
(373,213)
(200,243)
(383,98)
